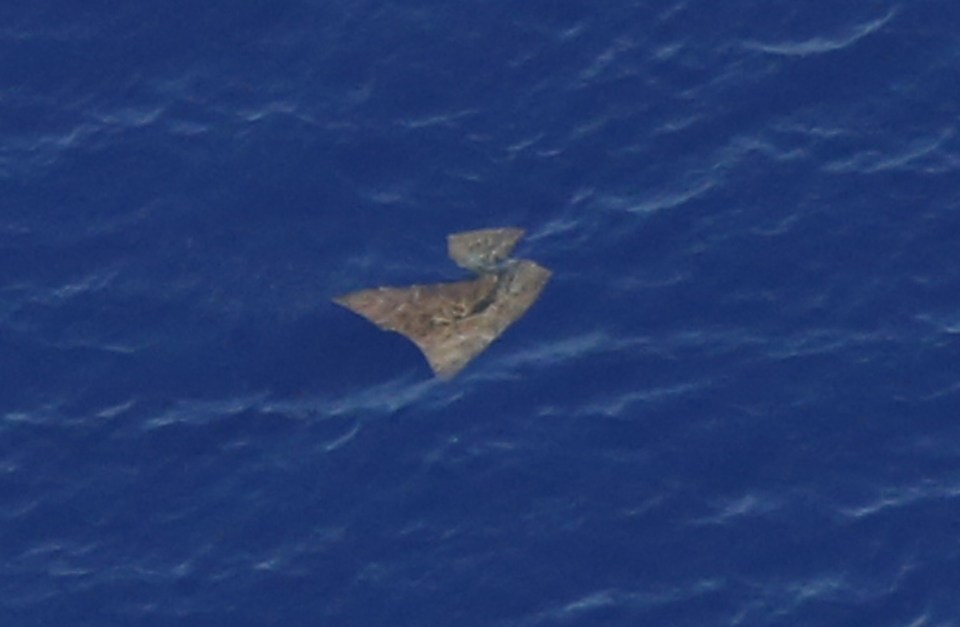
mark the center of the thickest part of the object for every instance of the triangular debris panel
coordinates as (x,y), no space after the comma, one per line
(454,322)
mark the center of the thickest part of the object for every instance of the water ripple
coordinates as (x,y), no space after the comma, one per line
(820,44)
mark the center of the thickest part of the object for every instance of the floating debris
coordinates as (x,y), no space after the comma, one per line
(451,323)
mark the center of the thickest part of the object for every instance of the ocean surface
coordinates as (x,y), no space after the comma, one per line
(736,403)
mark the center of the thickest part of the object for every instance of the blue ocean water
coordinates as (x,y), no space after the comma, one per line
(735,404)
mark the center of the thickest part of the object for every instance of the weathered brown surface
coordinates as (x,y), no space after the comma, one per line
(454,322)
(483,250)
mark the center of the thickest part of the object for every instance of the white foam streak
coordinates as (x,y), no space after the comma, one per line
(820,44)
